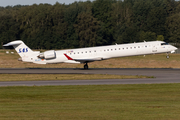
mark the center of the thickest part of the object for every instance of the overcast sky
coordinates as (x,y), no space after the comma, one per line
(5,3)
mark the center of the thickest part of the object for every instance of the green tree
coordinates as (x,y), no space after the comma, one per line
(173,27)
(130,35)
(86,29)
(156,21)
(160,37)
(100,22)
(102,10)
(70,16)
(122,16)
(141,9)
(9,27)
(147,36)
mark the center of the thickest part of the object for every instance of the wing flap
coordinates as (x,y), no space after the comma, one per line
(88,60)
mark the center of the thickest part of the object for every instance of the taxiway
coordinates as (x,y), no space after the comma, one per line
(161,76)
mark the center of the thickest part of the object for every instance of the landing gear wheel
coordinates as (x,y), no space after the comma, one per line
(86,66)
(167,56)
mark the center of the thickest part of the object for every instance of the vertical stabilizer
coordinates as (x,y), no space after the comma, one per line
(22,49)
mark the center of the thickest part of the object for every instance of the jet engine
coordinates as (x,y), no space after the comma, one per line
(47,55)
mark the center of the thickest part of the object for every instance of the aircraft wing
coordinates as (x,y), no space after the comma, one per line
(84,60)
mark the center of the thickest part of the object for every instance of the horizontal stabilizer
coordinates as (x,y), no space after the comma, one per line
(18,42)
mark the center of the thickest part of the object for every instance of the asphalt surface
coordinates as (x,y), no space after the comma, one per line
(161,76)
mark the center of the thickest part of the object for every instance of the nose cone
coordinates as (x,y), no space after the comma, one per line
(176,48)
(173,49)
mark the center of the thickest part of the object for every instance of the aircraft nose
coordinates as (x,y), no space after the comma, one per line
(175,48)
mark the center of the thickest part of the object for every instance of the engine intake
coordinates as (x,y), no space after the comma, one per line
(47,55)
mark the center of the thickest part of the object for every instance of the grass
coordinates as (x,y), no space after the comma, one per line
(149,61)
(38,77)
(131,102)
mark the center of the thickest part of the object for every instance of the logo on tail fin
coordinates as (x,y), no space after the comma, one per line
(24,50)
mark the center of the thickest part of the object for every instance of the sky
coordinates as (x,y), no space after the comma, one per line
(5,3)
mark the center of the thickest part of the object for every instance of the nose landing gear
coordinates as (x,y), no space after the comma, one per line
(167,56)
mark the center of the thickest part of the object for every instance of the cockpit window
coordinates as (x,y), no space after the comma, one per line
(164,44)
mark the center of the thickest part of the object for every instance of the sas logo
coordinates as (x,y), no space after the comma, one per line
(23,50)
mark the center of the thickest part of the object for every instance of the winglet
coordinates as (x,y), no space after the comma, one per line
(69,58)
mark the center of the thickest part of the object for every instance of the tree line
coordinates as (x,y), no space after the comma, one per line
(85,24)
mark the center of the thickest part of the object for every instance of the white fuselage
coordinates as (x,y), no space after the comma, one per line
(90,54)
(111,51)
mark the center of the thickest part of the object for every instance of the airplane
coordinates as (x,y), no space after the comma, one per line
(90,54)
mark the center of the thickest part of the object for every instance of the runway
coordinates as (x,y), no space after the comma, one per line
(161,76)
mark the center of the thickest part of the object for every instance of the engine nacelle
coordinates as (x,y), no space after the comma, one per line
(47,55)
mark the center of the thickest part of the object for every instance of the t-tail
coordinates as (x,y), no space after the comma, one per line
(26,54)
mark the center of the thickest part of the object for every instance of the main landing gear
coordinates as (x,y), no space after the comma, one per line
(85,66)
